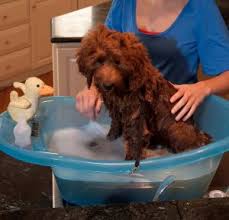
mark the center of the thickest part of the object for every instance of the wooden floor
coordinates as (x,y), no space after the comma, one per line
(5,93)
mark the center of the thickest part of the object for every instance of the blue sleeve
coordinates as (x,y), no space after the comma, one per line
(114,17)
(213,39)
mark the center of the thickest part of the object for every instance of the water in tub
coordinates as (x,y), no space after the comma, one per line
(90,142)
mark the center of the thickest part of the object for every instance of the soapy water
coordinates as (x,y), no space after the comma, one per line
(94,192)
(88,141)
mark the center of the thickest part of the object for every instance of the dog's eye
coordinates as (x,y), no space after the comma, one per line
(100,61)
(117,62)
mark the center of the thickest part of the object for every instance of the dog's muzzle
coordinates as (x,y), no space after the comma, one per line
(107,87)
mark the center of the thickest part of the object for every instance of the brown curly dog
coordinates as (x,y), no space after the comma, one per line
(135,94)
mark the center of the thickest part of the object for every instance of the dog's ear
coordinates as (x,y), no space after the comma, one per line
(82,65)
(137,60)
(89,81)
(88,48)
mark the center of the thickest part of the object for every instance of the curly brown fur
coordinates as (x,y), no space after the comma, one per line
(135,93)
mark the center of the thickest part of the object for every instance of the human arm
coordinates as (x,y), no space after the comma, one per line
(189,97)
(89,102)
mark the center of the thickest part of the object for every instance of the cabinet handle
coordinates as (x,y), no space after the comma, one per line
(7,42)
(8,67)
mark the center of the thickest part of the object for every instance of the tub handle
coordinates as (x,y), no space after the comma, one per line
(163,186)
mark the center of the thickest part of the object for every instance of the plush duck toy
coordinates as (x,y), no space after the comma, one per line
(25,106)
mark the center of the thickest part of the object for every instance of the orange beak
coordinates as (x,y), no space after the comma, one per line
(46,90)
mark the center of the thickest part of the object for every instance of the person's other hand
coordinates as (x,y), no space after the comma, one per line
(89,102)
(188,97)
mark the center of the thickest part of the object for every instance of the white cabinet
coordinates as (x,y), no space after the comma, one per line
(66,77)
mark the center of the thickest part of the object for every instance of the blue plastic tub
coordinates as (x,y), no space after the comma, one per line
(89,182)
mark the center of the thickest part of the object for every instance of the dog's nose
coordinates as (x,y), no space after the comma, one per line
(107,87)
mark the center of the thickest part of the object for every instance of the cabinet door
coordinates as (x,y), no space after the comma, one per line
(14,64)
(41,14)
(66,77)
(74,5)
(13,13)
(85,3)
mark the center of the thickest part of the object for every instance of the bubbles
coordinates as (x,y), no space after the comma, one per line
(88,141)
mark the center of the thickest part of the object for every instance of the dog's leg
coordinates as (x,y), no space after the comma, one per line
(116,129)
(182,136)
(145,152)
(128,151)
(136,136)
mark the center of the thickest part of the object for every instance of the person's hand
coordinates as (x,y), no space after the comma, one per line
(89,102)
(188,97)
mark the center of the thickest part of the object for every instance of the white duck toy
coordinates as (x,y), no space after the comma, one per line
(25,106)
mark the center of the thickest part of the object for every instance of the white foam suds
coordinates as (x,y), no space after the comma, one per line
(88,142)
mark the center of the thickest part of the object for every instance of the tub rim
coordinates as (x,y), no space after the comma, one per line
(46,158)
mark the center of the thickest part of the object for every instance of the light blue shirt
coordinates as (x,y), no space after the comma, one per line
(198,36)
